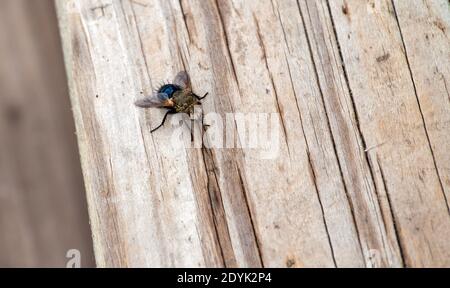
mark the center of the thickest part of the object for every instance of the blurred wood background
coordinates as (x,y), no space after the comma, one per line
(43,209)
(361,87)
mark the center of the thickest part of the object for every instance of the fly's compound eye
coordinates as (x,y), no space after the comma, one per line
(169,89)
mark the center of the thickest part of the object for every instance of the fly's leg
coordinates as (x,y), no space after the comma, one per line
(163,121)
(200,98)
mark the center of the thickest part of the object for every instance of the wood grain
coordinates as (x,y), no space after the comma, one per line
(42,200)
(356,182)
(392,122)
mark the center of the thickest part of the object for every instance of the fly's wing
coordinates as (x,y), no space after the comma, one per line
(157,100)
(182,80)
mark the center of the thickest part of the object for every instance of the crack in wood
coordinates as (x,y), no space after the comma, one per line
(257,242)
(313,178)
(394,220)
(218,210)
(227,44)
(430,146)
(264,57)
(348,198)
(185,21)
(359,132)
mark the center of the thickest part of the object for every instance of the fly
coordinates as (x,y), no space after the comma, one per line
(176,97)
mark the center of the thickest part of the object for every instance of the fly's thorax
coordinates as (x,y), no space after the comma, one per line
(184,101)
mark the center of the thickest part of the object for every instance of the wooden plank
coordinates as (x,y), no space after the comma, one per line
(99,46)
(425,31)
(334,195)
(375,229)
(138,220)
(393,126)
(42,207)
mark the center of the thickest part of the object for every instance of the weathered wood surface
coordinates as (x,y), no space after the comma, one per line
(361,88)
(42,199)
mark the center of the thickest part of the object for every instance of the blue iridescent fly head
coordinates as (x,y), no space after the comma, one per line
(169,89)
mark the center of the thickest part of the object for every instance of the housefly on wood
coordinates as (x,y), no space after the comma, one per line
(176,97)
